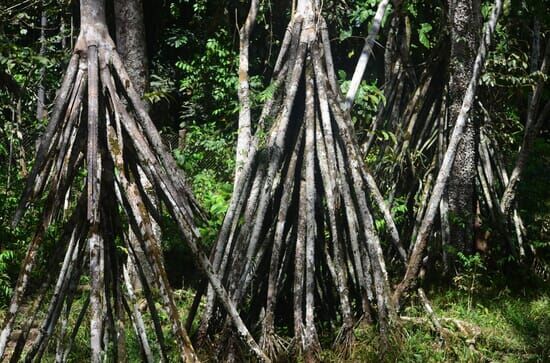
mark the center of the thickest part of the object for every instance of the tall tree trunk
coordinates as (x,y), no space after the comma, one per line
(130,42)
(41,94)
(245,126)
(421,239)
(132,47)
(464,30)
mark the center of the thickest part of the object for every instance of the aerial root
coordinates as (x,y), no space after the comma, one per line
(464,330)
(301,165)
(275,346)
(344,341)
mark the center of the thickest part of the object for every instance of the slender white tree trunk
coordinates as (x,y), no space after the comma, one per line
(245,127)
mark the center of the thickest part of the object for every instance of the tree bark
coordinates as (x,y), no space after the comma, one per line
(41,94)
(245,127)
(130,42)
(110,134)
(311,178)
(421,240)
(464,26)
(366,53)
(132,47)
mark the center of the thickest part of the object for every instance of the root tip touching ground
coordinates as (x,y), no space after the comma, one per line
(274,346)
(344,341)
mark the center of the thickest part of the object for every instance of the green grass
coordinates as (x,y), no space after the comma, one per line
(512,328)
(509,327)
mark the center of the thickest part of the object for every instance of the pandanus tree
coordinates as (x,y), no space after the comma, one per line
(97,150)
(298,237)
(422,105)
(298,242)
(432,204)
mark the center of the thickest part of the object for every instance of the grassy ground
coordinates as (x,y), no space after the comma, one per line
(501,327)
(494,325)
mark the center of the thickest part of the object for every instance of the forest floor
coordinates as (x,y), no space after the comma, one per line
(479,325)
(495,326)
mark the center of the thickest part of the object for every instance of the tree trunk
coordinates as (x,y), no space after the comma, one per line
(130,42)
(443,176)
(464,30)
(132,47)
(245,127)
(41,94)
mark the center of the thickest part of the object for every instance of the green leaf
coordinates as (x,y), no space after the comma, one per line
(425,28)
(345,34)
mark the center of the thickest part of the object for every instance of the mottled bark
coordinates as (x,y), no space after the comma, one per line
(464,28)
(245,127)
(130,42)
(95,240)
(132,47)
(424,233)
